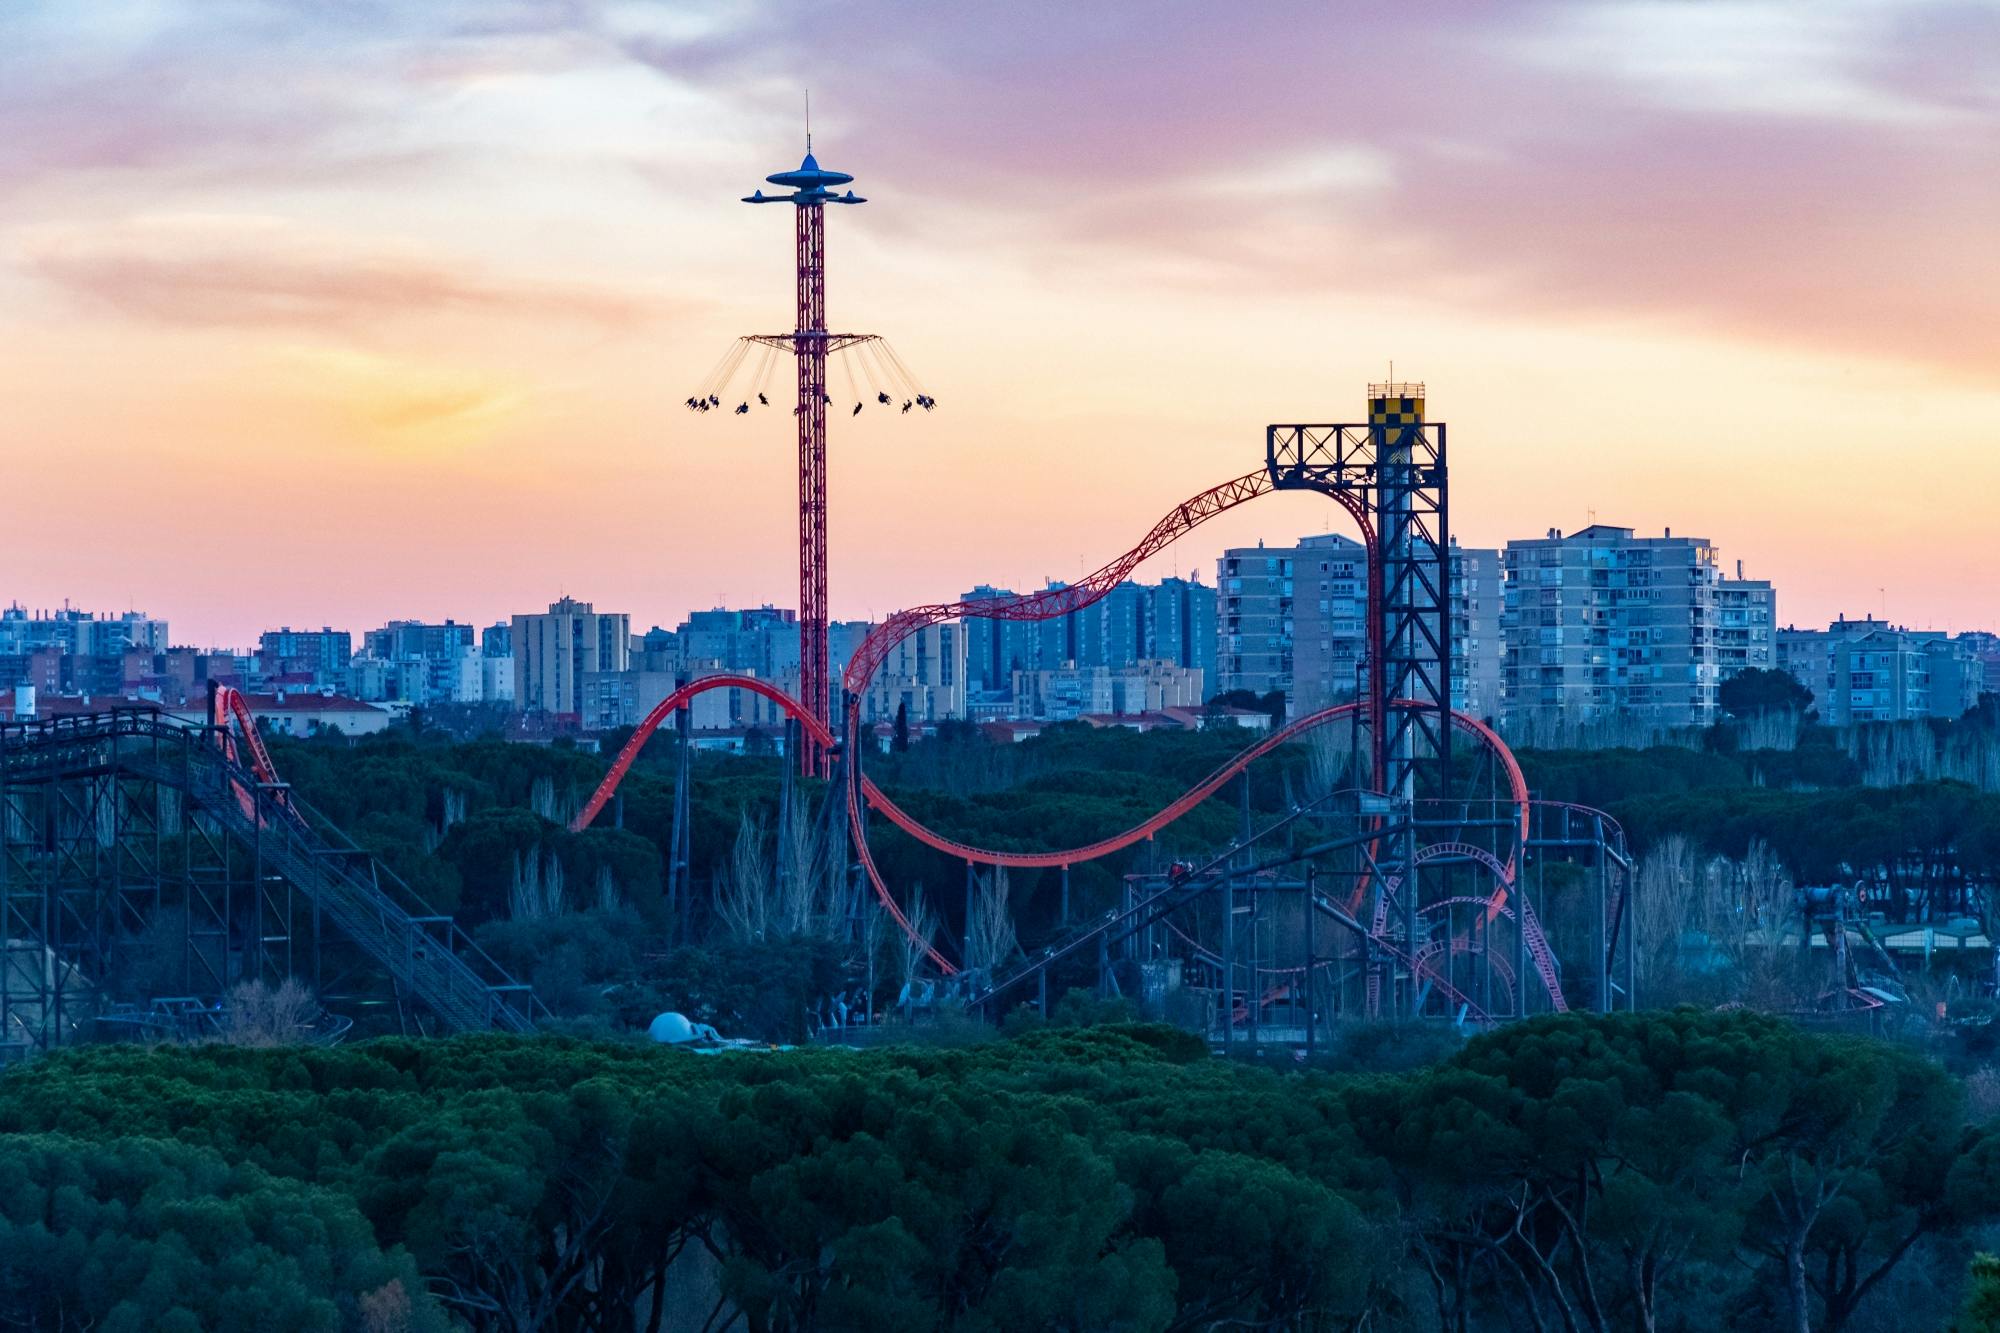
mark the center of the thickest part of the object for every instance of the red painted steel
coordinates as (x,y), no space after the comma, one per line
(809,346)
(1045,605)
(1051,603)
(227,705)
(872,795)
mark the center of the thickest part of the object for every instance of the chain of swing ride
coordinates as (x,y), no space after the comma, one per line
(889,382)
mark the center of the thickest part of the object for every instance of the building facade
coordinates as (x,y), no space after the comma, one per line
(554,651)
(1603,622)
(1254,619)
(1479,648)
(1329,621)
(323,654)
(1869,671)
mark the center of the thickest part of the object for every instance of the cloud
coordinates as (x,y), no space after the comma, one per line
(206,270)
(1813,176)
(260,91)
(399,402)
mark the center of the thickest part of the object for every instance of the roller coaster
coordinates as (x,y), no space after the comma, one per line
(125,824)
(1401,850)
(1415,885)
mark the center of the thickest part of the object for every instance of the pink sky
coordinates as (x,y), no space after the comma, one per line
(335,313)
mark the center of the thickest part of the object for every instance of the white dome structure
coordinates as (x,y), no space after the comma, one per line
(674,1029)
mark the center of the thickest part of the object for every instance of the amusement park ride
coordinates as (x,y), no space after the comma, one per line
(1413,888)
(1410,891)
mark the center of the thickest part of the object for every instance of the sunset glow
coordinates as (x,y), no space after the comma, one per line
(337,313)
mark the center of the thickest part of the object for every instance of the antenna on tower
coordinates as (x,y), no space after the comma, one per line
(809,120)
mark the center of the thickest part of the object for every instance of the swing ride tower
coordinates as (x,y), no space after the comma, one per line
(811,188)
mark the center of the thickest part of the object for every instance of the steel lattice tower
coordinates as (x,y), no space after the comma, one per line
(811,190)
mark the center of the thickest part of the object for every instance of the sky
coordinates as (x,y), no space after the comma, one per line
(338,311)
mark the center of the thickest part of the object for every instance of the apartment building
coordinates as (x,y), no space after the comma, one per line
(1254,620)
(1603,622)
(554,651)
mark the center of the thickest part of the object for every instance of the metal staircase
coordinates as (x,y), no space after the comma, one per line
(350,894)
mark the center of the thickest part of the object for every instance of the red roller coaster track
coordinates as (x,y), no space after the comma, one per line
(1047,605)
(227,705)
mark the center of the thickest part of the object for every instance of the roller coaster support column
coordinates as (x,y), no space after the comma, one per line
(1411,893)
(1629,919)
(846,775)
(1312,962)
(965,936)
(679,888)
(1521,937)
(1602,952)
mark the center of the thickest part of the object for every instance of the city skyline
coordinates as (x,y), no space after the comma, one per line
(249,335)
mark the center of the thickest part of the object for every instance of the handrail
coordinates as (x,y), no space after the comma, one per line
(380,913)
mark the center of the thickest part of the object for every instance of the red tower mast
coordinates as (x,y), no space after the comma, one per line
(810,192)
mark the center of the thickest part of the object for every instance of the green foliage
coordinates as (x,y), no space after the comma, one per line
(130,1235)
(1982,1300)
(1678,1170)
(1759,690)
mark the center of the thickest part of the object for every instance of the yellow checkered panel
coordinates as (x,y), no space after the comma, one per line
(1395,411)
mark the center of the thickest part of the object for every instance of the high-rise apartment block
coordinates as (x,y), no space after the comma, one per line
(1746,624)
(1180,626)
(321,654)
(553,653)
(1603,622)
(1171,622)
(1478,644)
(1329,620)
(924,676)
(416,638)
(1295,619)
(1254,619)
(79,633)
(758,641)
(1868,670)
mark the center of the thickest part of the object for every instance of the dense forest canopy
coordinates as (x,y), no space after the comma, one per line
(1676,1170)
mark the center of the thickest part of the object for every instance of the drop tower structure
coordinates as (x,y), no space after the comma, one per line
(810,188)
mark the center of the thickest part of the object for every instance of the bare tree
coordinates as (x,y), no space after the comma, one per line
(875,929)
(386,1309)
(1666,899)
(989,936)
(261,1015)
(544,801)
(912,944)
(1333,761)
(805,893)
(537,890)
(743,897)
